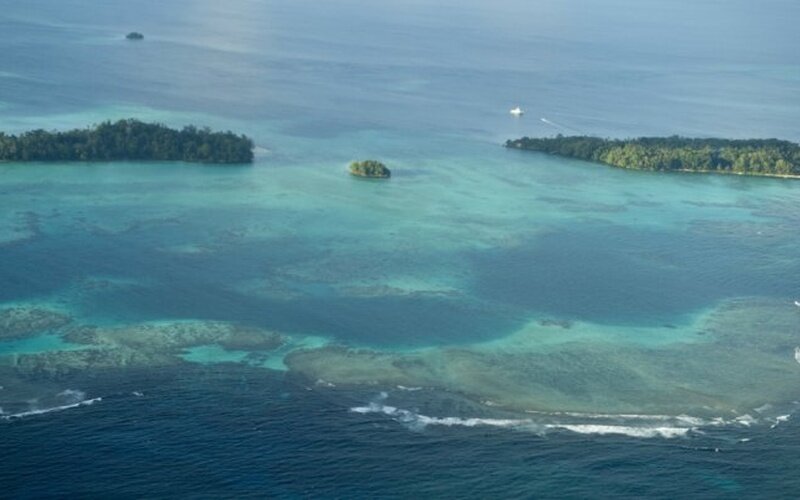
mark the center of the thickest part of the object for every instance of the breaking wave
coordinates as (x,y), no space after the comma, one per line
(71,398)
(640,426)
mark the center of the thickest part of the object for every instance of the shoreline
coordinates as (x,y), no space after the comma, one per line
(677,170)
(746,157)
(689,171)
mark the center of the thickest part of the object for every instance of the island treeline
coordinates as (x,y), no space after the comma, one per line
(370,168)
(752,156)
(128,140)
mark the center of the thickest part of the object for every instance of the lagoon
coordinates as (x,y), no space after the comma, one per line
(547,298)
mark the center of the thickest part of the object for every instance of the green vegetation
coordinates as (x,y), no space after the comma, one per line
(134,35)
(370,168)
(771,157)
(128,140)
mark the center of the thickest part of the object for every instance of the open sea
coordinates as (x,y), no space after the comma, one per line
(488,323)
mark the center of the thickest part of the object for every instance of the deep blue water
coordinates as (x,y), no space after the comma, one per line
(468,242)
(232,432)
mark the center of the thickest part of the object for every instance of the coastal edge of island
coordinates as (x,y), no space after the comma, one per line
(134,140)
(127,140)
(751,157)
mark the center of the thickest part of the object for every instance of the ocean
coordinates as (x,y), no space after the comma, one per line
(488,323)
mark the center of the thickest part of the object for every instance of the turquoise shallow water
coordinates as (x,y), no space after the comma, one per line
(42,343)
(480,288)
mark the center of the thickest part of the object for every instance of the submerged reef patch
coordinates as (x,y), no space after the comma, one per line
(139,345)
(712,366)
(726,371)
(26,321)
(172,337)
(60,363)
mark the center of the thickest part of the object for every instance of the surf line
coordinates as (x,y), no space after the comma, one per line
(42,411)
(418,422)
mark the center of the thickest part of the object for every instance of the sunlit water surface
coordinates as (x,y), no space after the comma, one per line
(484,310)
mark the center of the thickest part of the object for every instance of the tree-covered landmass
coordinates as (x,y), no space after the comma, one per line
(370,168)
(770,157)
(128,140)
(134,35)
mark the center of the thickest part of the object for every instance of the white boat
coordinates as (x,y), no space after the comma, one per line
(797,303)
(517,111)
(797,354)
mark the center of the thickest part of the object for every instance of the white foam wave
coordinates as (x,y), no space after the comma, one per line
(779,420)
(625,430)
(410,389)
(42,411)
(634,425)
(72,398)
(417,421)
(764,408)
(324,383)
(72,394)
(681,419)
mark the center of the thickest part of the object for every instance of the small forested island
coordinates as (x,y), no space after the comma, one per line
(767,157)
(134,35)
(370,168)
(127,140)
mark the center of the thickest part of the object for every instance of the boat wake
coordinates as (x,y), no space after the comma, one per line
(640,426)
(559,126)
